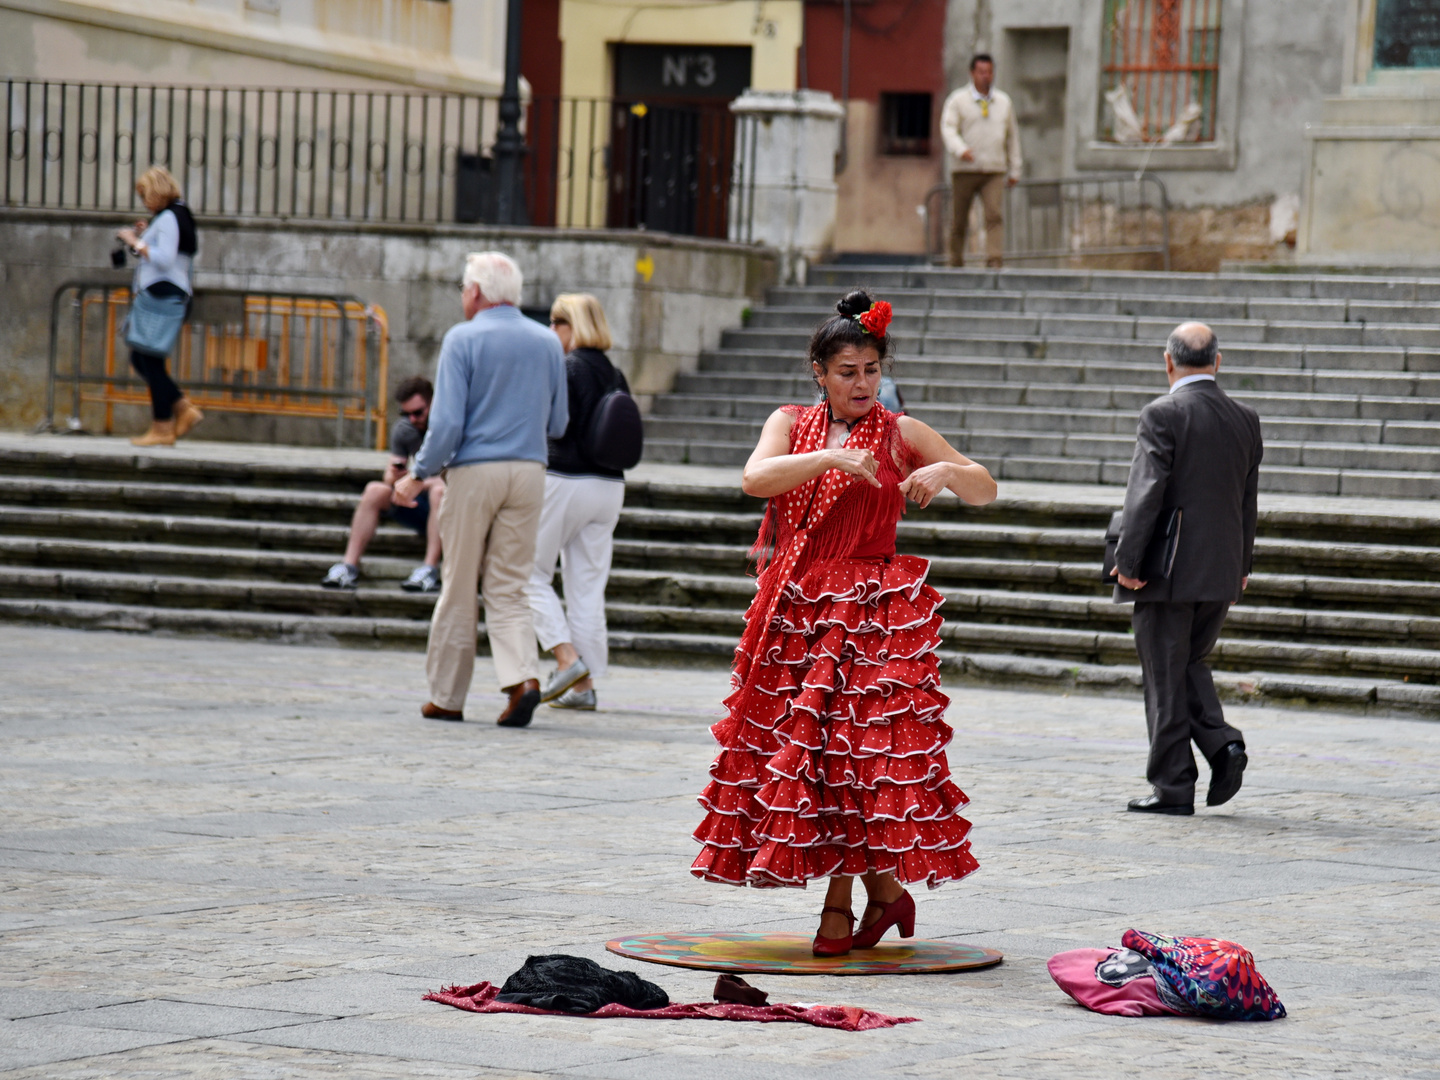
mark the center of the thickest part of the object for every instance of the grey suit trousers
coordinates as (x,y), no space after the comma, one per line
(1181,705)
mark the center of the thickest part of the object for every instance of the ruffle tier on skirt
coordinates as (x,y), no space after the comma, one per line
(832,757)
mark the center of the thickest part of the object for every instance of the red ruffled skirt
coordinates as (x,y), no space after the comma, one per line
(832,758)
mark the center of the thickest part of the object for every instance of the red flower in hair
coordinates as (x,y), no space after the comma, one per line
(876,319)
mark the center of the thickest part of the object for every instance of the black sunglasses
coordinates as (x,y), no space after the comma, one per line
(413,414)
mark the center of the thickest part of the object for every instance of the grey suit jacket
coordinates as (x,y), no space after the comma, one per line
(1198,450)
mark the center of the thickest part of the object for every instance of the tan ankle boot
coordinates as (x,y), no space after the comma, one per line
(161,433)
(187,415)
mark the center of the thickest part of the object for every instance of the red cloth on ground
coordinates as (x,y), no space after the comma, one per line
(1074,972)
(480,998)
(832,756)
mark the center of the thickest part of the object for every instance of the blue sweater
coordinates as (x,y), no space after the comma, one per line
(499,391)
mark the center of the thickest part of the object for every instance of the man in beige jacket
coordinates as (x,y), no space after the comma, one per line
(979,129)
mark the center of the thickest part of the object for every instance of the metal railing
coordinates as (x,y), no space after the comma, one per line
(363,155)
(280,354)
(1111,219)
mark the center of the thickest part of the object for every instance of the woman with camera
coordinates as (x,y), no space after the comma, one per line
(160,301)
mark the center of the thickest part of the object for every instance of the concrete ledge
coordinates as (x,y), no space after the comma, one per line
(668,298)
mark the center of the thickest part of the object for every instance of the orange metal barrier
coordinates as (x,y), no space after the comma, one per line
(240,351)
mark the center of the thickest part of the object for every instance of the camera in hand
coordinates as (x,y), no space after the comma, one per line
(117,258)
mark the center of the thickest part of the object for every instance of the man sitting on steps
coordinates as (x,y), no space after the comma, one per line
(414,396)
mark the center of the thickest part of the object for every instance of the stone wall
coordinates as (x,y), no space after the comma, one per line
(667,298)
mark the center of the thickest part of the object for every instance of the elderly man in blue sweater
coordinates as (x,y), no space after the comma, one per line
(499,391)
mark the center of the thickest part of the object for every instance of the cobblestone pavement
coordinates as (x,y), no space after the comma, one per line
(238,860)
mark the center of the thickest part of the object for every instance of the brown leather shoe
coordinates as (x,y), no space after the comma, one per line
(431,711)
(187,415)
(161,433)
(523,699)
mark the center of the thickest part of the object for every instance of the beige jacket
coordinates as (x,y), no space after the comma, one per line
(993,139)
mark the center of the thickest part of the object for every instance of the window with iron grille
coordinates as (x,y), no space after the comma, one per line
(1160,71)
(905,124)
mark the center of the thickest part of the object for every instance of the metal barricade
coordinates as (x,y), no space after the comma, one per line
(278,354)
(1105,220)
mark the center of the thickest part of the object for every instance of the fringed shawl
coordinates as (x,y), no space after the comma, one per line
(828,517)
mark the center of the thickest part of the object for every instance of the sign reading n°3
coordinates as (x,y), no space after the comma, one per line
(681,71)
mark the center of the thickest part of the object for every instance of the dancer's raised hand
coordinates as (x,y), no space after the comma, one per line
(856,462)
(922,485)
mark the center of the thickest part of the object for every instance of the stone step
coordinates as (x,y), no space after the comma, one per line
(817,303)
(1341,394)
(962,282)
(1360,483)
(1145,375)
(261,504)
(976,441)
(390,540)
(216,465)
(1089,645)
(908,326)
(1274,352)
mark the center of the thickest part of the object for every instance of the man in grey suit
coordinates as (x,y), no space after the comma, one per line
(1198,450)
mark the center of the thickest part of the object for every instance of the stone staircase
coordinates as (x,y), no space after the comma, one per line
(1343,606)
(1040,374)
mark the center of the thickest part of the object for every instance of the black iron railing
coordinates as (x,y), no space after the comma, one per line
(1106,219)
(361,155)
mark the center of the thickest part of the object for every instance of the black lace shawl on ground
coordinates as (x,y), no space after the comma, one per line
(573,984)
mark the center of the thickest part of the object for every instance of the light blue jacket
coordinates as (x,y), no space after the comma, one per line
(499,391)
(164,261)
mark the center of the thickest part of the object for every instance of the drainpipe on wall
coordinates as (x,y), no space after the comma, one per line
(842,155)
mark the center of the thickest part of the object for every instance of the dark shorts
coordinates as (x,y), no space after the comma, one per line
(415,517)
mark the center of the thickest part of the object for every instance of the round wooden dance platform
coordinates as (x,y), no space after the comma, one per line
(789,954)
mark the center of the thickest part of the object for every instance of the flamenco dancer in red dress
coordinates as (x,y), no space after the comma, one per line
(832,760)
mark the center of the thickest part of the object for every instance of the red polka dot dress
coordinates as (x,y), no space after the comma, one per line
(832,756)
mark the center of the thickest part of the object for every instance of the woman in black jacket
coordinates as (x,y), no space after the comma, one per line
(582,507)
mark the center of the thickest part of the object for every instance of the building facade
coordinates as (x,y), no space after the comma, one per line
(1274,124)
(453,45)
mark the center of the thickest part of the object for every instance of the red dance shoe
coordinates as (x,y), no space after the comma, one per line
(834,946)
(899,912)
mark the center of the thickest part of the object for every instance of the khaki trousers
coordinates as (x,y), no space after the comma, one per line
(487,529)
(990,186)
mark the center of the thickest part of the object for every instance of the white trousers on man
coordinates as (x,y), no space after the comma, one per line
(487,528)
(577,527)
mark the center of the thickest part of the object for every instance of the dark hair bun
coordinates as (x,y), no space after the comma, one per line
(854,303)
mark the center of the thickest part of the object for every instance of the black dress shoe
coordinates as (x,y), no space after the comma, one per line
(523,699)
(1227,771)
(1151,804)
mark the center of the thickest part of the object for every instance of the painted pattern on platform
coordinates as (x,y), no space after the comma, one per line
(789,954)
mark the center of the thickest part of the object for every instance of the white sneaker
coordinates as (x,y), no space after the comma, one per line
(424,578)
(575,699)
(563,679)
(341,576)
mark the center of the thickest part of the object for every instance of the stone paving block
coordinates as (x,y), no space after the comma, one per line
(44,1042)
(418,853)
(187,1018)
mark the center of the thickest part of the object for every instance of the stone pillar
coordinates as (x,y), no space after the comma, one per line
(784,192)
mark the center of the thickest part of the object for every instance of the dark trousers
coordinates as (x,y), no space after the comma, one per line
(1180,700)
(163,391)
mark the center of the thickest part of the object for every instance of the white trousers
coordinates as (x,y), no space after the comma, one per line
(577,527)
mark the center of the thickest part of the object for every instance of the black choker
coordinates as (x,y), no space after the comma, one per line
(849,424)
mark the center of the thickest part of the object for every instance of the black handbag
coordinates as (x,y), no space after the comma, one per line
(1159,559)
